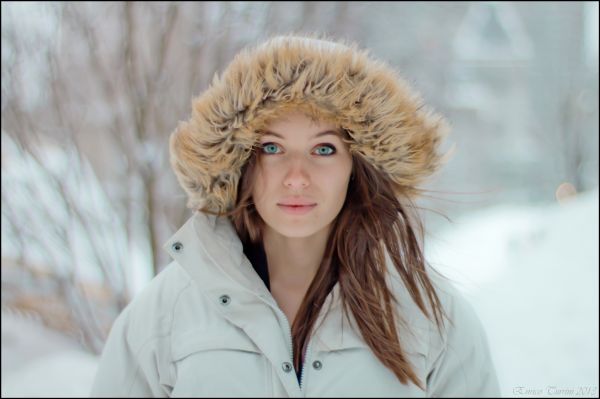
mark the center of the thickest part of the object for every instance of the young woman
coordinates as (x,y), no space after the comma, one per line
(301,272)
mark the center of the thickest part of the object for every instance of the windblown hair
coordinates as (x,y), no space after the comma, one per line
(371,220)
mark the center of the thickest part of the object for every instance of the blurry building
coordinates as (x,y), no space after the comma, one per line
(488,96)
(521,98)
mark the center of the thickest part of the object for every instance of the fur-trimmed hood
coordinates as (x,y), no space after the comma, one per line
(334,81)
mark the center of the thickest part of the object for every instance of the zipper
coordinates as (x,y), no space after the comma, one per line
(289,330)
(273,304)
(291,347)
(305,364)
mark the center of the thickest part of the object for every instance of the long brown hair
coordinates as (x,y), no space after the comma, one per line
(372,220)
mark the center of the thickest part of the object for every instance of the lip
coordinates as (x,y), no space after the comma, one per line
(296,201)
(297,210)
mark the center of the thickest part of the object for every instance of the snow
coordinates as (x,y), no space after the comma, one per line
(62,374)
(39,362)
(530,272)
(532,276)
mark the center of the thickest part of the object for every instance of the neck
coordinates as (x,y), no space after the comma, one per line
(294,261)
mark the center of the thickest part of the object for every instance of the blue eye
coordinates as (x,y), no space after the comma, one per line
(268,147)
(328,147)
(271,149)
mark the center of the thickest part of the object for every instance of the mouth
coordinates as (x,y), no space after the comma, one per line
(297,209)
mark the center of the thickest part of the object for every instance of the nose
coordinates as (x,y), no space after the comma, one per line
(297,176)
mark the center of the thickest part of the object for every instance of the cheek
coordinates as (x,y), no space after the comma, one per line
(268,175)
(261,186)
(341,188)
(334,183)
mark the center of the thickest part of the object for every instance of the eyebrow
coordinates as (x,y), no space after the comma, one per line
(325,133)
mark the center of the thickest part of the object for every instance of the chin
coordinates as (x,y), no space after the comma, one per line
(297,229)
(296,226)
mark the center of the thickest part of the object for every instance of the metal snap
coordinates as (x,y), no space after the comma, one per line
(287,367)
(225,299)
(317,365)
(177,247)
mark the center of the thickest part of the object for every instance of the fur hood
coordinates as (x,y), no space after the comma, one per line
(330,80)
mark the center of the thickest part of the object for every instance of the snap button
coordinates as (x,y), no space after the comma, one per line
(177,247)
(287,367)
(225,299)
(317,365)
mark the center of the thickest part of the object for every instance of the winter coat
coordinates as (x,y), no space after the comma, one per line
(207,326)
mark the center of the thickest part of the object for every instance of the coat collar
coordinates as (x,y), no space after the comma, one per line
(211,252)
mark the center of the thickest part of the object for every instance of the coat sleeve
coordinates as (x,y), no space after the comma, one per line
(462,365)
(128,368)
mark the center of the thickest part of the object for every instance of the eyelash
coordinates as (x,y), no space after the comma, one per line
(320,145)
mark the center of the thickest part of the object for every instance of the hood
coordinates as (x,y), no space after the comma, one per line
(387,122)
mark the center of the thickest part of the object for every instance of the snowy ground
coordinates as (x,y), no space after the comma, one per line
(531,273)
(38,362)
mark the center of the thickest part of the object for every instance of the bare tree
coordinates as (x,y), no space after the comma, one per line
(101,117)
(112,81)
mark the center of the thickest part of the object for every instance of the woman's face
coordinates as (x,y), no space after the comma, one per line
(301,162)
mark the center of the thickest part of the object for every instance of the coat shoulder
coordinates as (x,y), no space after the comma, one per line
(459,361)
(462,316)
(150,313)
(457,357)
(136,355)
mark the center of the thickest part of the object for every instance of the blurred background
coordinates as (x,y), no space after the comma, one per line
(91,92)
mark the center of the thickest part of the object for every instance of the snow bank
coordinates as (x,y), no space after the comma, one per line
(532,275)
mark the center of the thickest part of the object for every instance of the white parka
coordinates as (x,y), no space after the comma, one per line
(207,326)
